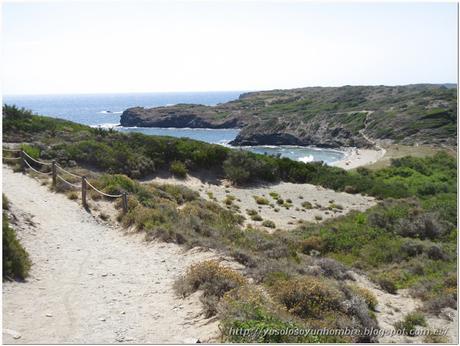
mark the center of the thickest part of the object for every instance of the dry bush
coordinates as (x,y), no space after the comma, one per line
(367,295)
(334,269)
(308,296)
(213,279)
(312,243)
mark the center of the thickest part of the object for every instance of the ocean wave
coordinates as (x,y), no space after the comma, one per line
(305,159)
(106,125)
(179,128)
(110,112)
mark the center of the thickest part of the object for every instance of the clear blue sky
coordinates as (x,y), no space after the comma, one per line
(140,46)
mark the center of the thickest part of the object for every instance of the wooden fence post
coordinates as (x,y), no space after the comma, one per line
(83,192)
(21,161)
(53,168)
(125,202)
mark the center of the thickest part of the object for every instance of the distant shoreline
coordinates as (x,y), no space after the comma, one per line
(354,157)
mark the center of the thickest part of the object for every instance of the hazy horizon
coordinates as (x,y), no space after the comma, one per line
(124,47)
(219,91)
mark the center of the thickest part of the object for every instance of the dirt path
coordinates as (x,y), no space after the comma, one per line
(362,132)
(89,282)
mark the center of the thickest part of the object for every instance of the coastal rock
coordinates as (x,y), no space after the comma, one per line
(180,116)
(330,117)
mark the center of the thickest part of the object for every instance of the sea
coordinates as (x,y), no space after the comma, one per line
(104,110)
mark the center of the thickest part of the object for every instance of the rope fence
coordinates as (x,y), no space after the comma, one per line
(68,182)
(24,157)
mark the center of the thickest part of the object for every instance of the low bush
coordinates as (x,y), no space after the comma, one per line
(312,243)
(5,202)
(256,217)
(387,285)
(178,169)
(213,279)
(263,321)
(16,262)
(410,322)
(307,205)
(261,200)
(308,296)
(367,295)
(274,195)
(269,224)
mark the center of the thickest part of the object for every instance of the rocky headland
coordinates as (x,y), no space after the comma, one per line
(331,117)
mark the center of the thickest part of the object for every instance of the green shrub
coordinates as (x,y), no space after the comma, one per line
(5,202)
(256,217)
(116,184)
(32,151)
(178,169)
(307,205)
(251,212)
(261,200)
(269,224)
(246,308)
(274,195)
(410,322)
(16,262)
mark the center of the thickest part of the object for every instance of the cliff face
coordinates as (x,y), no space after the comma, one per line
(325,117)
(193,116)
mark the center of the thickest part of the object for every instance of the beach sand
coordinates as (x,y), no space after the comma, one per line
(355,157)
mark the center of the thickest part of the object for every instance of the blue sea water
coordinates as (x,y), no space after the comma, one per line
(105,110)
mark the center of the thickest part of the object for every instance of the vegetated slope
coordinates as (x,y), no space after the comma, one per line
(322,116)
(15,259)
(89,283)
(407,241)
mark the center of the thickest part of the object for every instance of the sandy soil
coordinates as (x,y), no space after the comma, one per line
(392,308)
(284,218)
(355,157)
(90,283)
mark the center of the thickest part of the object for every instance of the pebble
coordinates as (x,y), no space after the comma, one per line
(14,334)
(102,319)
(49,315)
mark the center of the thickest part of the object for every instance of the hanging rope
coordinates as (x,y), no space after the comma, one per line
(103,193)
(69,173)
(55,166)
(11,158)
(39,162)
(28,164)
(68,182)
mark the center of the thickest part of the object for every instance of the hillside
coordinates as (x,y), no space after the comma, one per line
(297,272)
(322,116)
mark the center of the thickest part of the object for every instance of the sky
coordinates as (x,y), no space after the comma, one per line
(154,46)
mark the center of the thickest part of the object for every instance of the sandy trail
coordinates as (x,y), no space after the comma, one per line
(89,282)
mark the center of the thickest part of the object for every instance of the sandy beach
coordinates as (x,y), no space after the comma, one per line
(355,157)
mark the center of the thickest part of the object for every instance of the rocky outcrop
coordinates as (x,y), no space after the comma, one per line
(193,116)
(323,117)
(323,137)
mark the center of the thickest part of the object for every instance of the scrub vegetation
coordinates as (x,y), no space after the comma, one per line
(290,278)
